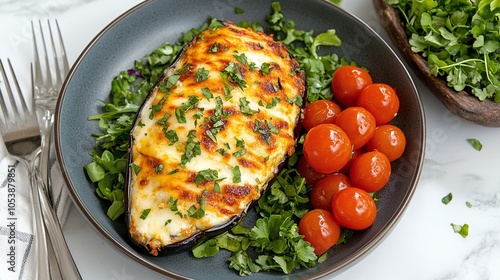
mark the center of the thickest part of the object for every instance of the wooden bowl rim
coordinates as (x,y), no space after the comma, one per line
(460,103)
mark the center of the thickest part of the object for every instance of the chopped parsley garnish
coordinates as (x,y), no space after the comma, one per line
(214,48)
(240,143)
(238,10)
(173,171)
(242,58)
(196,212)
(245,109)
(260,128)
(145,213)
(201,74)
(273,103)
(207,93)
(475,144)
(158,106)
(297,100)
(191,103)
(447,199)
(271,127)
(165,86)
(221,151)
(236,174)
(172,136)
(135,167)
(192,149)
(173,204)
(206,175)
(163,120)
(240,153)
(265,68)
(462,230)
(180,115)
(159,168)
(233,73)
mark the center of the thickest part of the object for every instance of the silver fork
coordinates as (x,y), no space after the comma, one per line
(19,129)
(45,93)
(46,88)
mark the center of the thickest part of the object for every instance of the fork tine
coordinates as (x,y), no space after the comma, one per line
(65,64)
(54,54)
(10,95)
(48,80)
(38,66)
(24,106)
(18,118)
(2,98)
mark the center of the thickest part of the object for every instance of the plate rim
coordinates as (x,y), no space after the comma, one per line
(339,267)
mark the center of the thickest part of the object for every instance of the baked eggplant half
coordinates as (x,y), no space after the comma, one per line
(211,135)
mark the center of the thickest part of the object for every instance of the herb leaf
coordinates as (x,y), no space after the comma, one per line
(462,230)
(447,199)
(475,144)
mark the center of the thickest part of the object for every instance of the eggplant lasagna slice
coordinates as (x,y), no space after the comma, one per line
(212,133)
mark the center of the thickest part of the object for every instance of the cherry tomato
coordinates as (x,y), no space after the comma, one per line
(345,170)
(320,229)
(327,148)
(320,111)
(324,189)
(354,208)
(389,140)
(348,82)
(358,124)
(307,172)
(381,100)
(370,171)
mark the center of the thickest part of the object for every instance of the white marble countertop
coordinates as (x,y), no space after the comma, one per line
(422,245)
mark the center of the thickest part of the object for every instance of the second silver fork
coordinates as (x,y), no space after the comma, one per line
(47,83)
(45,93)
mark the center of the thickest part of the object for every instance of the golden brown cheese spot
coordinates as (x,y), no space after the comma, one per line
(191,178)
(269,87)
(237,191)
(143,182)
(281,124)
(248,164)
(186,195)
(277,49)
(254,46)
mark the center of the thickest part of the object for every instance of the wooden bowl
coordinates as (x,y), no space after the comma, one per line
(461,103)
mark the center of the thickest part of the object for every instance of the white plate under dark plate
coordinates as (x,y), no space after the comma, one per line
(145,27)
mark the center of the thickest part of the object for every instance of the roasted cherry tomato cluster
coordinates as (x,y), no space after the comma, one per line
(347,154)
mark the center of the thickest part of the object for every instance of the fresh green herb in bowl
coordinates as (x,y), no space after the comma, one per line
(454,46)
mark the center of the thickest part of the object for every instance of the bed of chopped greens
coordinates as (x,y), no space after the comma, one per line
(460,40)
(274,239)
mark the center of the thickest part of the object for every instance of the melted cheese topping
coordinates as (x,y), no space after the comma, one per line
(212,134)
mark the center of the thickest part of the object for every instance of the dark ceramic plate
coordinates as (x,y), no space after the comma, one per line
(142,29)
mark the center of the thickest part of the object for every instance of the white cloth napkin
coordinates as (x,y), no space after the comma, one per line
(16,224)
